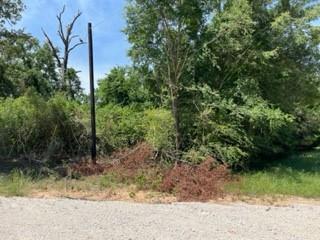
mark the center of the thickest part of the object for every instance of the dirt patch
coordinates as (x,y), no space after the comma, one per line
(121,194)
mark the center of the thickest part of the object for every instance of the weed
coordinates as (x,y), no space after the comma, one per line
(109,180)
(15,184)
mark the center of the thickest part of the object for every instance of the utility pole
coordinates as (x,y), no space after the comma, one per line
(92,98)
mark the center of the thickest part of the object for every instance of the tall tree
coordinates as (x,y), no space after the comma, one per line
(164,36)
(66,36)
(10,12)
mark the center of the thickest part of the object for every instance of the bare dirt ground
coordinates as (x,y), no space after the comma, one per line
(55,219)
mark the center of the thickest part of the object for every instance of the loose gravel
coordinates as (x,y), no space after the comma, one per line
(58,219)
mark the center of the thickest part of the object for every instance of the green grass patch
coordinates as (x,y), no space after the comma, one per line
(15,184)
(111,180)
(297,175)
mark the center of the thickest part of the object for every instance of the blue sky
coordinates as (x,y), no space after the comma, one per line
(107,17)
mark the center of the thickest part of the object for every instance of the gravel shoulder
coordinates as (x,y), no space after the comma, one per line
(55,219)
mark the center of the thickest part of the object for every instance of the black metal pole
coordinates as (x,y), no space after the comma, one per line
(92,98)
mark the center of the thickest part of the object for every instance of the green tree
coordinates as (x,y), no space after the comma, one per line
(75,89)
(122,86)
(10,11)
(25,64)
(164,37)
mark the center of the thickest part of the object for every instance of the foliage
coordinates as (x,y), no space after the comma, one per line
(118,127)
(75,91)
(308,126)
(240,77)
(29,125)
(122,86)
(164,36)
(10,11)
(159,130)
(25,64)
(236,133)
(257,60)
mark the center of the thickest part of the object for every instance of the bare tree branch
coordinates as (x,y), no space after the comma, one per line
(73,37)
(76,45)
(59,17)
(53,49)
(65,34)
(70,26)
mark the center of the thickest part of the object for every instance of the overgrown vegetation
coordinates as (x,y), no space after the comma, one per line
(49,130)
(234,81)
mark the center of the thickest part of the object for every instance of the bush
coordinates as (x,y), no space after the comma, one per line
(71,121)
(158,126)
(238,133)
(308,127)
(29,125)
(118,127)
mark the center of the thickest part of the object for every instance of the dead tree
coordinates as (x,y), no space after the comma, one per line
(66,36)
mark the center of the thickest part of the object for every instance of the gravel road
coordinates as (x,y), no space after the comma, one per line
(58,219)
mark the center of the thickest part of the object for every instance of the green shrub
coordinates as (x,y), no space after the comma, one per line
(118,127)
(196,156)
(71,122)
(237,133)
(308,127)
(29,125)
(158,125)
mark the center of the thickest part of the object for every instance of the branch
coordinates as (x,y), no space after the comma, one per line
(181,66)
(73,37)
(70,26)
(59,17)
(53,49)
(76,45)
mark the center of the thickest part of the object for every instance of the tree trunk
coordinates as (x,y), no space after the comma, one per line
(175,113)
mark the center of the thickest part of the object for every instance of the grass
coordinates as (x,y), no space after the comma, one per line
(15,184)
(297,175)
(24,183)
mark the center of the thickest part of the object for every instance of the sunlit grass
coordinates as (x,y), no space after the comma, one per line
(297,175)
(15,184)
(19,183)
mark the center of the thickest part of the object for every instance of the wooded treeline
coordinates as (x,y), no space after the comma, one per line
(234,79)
